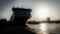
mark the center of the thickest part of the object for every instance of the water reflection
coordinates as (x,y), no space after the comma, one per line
(46,28)
(43,27)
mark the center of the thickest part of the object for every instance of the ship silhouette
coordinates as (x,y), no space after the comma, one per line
(16,25)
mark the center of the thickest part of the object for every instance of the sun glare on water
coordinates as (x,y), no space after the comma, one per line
(43,26)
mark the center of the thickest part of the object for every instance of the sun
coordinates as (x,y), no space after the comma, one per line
(41,12)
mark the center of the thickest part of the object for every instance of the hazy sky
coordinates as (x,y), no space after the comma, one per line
(52,5)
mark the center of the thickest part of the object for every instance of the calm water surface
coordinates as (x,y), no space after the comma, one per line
(46,28)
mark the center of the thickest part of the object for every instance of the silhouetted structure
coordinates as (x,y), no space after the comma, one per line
(55,21)
(33,22)
(3,21)
(20,15)
(18,19)
(3,24)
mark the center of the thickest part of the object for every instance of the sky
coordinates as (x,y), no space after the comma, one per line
(51,6)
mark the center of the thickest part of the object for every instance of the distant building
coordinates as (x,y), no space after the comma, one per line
(48,19)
